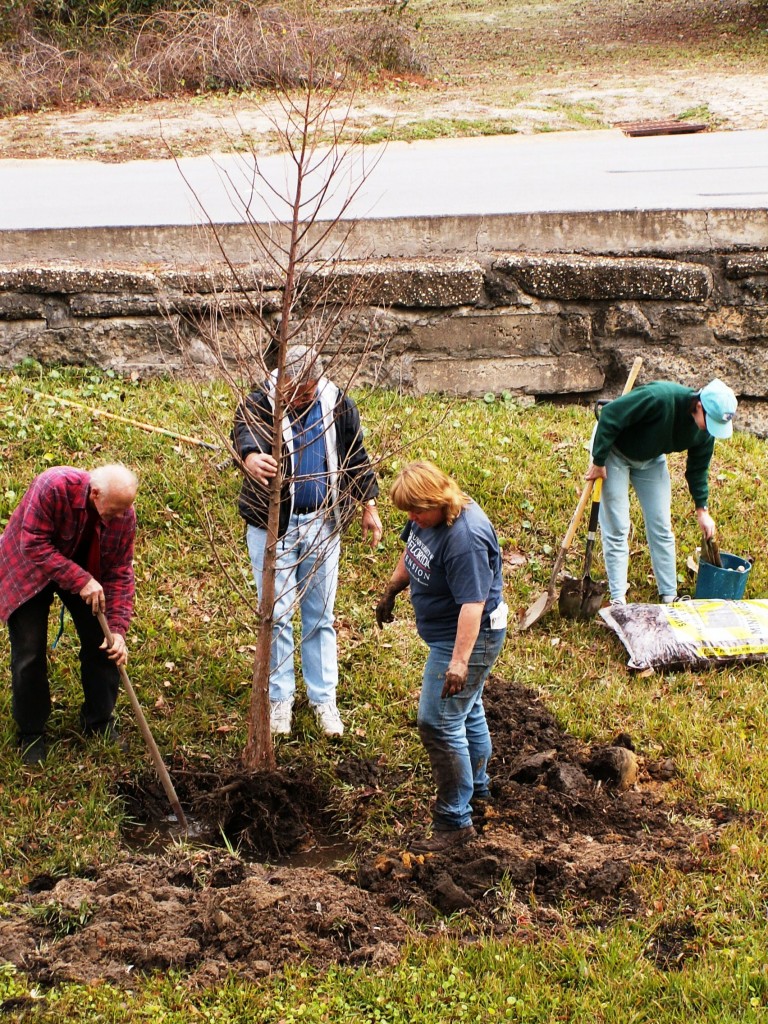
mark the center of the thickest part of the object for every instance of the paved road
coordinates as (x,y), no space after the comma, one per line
(567,172)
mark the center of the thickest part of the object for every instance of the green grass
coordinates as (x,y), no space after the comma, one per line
(438,128)
(190,665)
(579,115)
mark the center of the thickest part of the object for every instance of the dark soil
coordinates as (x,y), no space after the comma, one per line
(559,826)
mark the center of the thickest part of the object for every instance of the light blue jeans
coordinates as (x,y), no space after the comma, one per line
(454,730)
(654,492)
(307,574)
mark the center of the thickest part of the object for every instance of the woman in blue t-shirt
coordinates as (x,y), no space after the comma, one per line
(452,564)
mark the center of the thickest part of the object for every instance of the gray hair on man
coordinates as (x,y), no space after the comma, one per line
(114,479)
(303,363)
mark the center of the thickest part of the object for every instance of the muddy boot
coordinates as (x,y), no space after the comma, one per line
(444,840)
(481,804)
(32,748)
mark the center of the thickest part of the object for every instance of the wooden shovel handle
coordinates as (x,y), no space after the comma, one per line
(586,493)
(576,518)
(569,535)
(633,373)
(146,732)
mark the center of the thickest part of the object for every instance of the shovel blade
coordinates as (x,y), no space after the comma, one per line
(592,599)
(538,610)
(581,598)
(569,601)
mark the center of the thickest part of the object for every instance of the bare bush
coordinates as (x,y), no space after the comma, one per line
(224,48)
(238,47)
(382,44)
(35,73)
(227,46)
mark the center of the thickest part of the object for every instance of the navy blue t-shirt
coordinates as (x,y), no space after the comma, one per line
(449,566)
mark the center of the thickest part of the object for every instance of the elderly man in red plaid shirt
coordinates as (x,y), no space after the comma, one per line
(72,534)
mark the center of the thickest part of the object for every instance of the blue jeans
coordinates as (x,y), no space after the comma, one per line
(307,574)
(652,485)
(454,730)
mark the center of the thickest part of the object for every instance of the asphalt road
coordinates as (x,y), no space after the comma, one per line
(549,173)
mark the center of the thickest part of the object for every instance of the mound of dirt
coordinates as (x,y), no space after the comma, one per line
(564,821)
(558,826)
(211,913)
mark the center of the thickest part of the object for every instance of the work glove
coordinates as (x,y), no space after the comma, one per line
(385,608)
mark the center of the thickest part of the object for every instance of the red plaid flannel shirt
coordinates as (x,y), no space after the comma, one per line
(42,535)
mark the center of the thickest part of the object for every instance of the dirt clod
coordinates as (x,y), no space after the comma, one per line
(615,766)
(559,835)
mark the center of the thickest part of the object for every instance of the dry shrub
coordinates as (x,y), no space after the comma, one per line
(35,73)
(222,48)
(244,46)
(228,46)
(380,43)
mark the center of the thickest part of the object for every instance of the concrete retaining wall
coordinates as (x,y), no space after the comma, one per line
(537,324)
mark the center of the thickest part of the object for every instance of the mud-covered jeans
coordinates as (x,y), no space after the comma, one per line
(454,730)
(28,630)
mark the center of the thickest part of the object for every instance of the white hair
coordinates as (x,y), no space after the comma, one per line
(113,478)
(303,362)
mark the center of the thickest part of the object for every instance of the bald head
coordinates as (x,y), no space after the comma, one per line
(113,490)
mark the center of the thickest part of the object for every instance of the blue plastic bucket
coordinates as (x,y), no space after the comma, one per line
(726,584)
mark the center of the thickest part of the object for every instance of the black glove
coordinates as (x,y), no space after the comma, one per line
(385,608)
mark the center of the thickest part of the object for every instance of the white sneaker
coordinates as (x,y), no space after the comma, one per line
(668,598)
(329,718)
(280,713)
(618,602)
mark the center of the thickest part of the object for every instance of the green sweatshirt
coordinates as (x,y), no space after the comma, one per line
(653,420)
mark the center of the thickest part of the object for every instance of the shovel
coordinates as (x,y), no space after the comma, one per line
(582,598)
(149,739)
(542,604)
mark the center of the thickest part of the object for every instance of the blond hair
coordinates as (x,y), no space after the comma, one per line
(422,486)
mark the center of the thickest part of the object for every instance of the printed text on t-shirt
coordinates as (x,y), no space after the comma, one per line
(418,558)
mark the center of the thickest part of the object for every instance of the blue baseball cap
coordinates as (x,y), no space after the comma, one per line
(719,404)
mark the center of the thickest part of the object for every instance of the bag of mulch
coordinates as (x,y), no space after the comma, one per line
(694,634)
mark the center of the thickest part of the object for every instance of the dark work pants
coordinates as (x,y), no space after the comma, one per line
(28,629)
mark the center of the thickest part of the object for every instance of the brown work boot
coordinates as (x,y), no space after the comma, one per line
(444,840)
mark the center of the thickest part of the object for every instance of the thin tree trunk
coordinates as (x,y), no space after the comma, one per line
(259,750)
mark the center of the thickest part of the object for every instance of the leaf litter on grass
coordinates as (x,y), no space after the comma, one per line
(551,833)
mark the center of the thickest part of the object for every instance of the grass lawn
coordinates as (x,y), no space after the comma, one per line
(683,946)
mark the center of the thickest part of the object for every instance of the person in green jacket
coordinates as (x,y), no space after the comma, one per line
(630,445)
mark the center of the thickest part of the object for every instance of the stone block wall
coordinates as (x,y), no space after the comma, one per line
(554,326)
